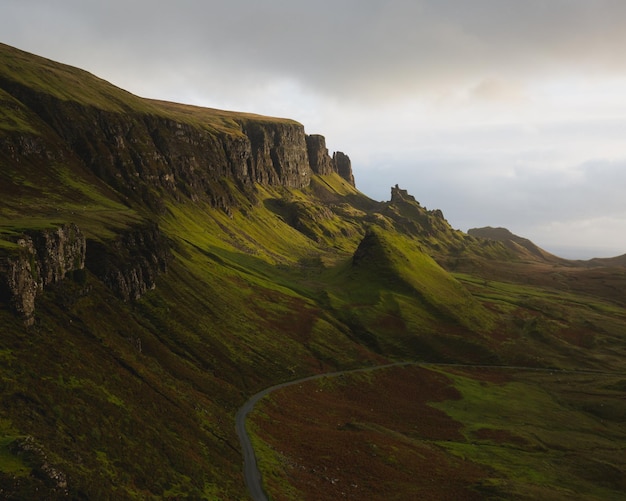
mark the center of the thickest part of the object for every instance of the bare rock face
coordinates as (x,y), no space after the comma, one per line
(319,159)
(18,280)
(59,252)
(44,257)
(278,154)
(130,264)
(321,162)
(343,166)
(400,195)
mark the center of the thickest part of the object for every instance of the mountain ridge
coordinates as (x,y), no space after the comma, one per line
(192,148)
(504,235)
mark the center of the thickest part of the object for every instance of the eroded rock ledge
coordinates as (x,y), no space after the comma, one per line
(131,263)
(43,257)
(128,265)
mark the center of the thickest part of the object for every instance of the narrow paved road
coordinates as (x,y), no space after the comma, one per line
(251,472)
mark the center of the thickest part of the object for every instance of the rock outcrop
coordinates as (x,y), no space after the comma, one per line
(131,263)
(321,163)
(128,265)
(413,218)
(343,166)
(276,154)
(319,159)
(42,258)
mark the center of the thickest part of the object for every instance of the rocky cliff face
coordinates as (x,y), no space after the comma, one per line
(343,166)
(321,162)
(44,257)
(319,159)
(148,155)
(276,154)
(131,263)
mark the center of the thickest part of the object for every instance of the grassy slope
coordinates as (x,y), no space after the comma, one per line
(75,85)
(445,433)
(36,195)
(402,302)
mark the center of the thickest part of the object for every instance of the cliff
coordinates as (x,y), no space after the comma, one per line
(321,163)
(42,258)
(128,265)
(149,150)
(131,263)
(343,166)
(74,131)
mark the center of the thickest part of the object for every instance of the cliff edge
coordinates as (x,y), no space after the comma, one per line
(146,149)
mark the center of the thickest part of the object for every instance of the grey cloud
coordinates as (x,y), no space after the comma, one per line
(525,200)
(346,47)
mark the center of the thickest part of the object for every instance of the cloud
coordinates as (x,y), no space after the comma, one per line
(499,90)
(349,48)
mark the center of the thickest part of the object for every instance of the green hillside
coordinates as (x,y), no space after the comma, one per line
(160,263)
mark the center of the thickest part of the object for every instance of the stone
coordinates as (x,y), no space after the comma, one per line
(43,257)
(343,166)
(319,159)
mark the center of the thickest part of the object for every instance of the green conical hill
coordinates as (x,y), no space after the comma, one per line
(392,261)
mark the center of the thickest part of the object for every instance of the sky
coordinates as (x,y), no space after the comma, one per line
(498,112)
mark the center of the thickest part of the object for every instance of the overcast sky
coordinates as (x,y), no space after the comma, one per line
(498,112)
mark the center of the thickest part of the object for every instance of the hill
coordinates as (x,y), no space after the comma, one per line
(159,263)
(513,241)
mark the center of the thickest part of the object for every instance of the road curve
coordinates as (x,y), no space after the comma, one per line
(251,472)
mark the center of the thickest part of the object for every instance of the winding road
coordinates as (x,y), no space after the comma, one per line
(252,475)
(251,472)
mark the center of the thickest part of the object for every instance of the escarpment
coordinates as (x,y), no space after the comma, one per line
(42,258)
(323,164)
(131,263)
(128,265)
(149,151)
(63,124)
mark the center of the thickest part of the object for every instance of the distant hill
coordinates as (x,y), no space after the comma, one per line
(518,243)
(607,261)
(514,242)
